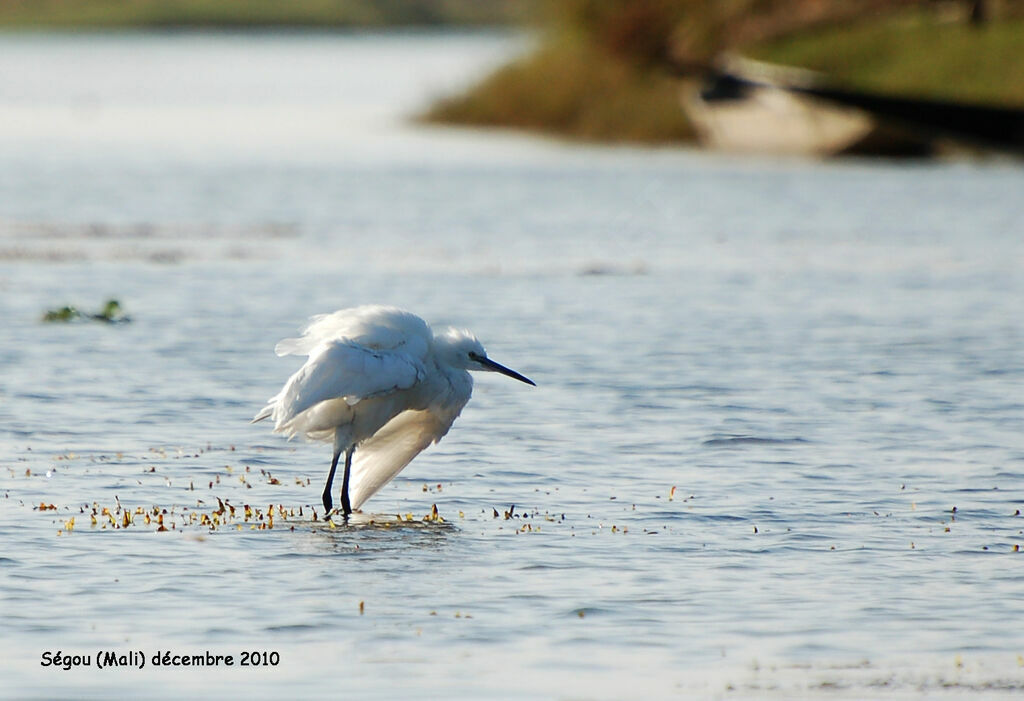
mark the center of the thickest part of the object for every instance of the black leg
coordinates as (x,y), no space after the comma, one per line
(346,507)
(328,502)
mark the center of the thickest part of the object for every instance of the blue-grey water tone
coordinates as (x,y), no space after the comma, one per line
(776,449)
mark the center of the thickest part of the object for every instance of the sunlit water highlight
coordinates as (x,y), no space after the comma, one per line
(776,448)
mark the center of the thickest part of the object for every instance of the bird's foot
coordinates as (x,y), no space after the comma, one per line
(330,513)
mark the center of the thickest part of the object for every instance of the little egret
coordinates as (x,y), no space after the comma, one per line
(380,380)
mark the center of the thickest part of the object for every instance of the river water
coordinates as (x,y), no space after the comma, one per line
(776,448)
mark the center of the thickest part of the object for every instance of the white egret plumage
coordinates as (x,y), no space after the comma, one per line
(381,386)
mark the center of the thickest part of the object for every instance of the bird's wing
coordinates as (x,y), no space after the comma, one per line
(378,459)
(344,370)
(372,326)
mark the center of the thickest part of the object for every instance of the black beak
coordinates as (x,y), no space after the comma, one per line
(498,367)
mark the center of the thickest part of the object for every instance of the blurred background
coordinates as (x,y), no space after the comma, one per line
(612,70)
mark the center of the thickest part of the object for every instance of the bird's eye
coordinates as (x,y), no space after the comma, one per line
(473,355)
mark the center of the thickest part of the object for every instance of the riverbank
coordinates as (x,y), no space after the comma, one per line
(159,14)
(585,83)
(913,55)
(572,88)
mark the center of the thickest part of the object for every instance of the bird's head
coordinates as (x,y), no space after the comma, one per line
(461,349)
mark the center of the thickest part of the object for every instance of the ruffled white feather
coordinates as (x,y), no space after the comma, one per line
(372,380)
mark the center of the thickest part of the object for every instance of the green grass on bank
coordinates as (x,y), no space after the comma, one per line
(571,88)
(122,14)
(914,55)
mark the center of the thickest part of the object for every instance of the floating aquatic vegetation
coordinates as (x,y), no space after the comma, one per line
(62,314)
(225,516)
(111,313)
